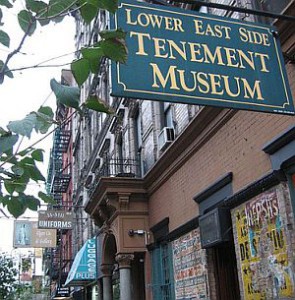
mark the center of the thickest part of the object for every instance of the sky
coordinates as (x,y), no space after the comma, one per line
(29,89)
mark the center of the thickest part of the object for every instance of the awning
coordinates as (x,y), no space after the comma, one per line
(84,268)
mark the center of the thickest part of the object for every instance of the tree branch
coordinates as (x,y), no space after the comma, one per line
(14,52)
(38,141)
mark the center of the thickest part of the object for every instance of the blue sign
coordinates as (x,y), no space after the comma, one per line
(84,267)
(177,55)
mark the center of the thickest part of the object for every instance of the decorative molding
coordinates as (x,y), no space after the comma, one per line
(213,188)
(280,141)
(176,233)
(124,260)
(255,189)
(281,149)
(160,225)
(103,212)
(124,199)
(183,229)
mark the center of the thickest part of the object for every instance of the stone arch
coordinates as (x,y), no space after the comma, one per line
(109,250)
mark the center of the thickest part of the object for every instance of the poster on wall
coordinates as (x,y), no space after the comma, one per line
(28,235)
(189,265)
(263,249)
(22,234)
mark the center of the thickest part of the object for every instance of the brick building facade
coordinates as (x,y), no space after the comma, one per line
(189,202)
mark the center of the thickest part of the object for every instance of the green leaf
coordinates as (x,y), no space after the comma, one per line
(7,142)
(25,152)
(109,5)
(46,110)
(15,207)
(36,6)
(46,198)
(81,70)
(4,132)
(115,49)
(4,38)
(113,34)
(34,173)
(67,95)
(44,119)
(88,12)
(38,154)
(17,184)
(4,199)
(30,202)
(23,127)
(98,105)
(6,3)
(5,72)
(9,186)
(31,170)
(27,22)
(93,55)
(18,171)
(43,22)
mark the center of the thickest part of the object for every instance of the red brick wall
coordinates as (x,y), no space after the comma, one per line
(236,147)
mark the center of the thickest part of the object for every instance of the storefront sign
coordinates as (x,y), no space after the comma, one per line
(58,219)
(84,267)
(183,56)
(62,292)
(43,238)
(262,249)
(28,235)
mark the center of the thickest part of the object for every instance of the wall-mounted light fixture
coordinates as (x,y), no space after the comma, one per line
(140,232)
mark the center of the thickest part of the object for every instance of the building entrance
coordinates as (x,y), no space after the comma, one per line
(225,267)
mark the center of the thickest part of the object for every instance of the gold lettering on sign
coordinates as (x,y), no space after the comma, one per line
(229,71)
(219,31)
(205,83)
(201,53)
(155,21)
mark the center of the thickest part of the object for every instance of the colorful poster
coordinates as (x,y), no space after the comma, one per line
(189,263)
(262,249)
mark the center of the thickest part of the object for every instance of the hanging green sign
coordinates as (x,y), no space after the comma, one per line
(184,56)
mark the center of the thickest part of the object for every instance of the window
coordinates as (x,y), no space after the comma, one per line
(273,6)
(138,142)
(162,276)
(166,115)
(168,118)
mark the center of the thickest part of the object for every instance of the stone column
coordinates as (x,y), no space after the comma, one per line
(124,261)
(99,290)
(107,271)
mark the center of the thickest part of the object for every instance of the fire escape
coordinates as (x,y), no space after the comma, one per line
(58,186)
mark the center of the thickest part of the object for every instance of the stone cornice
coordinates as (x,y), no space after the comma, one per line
(109,190)
(280,141)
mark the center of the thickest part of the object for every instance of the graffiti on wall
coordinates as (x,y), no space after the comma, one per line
(189,264)
(263,249)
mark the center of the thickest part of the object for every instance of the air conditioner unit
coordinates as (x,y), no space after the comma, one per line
(215,227)
(166,137)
